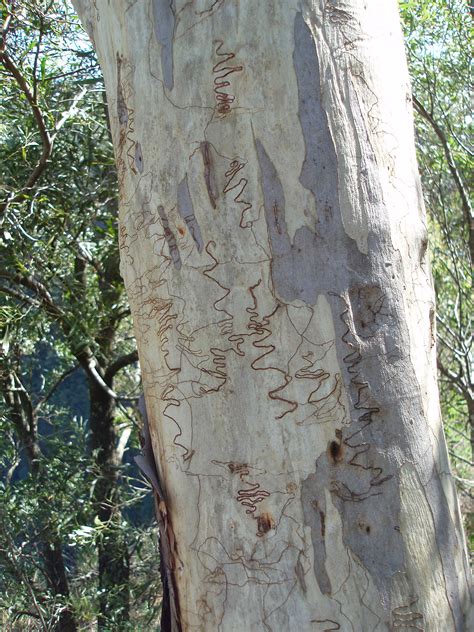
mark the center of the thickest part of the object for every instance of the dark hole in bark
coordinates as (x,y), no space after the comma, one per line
(335,451)
(265,522)
(323,523)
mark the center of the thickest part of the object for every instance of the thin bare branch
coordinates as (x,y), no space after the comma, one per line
(5,28)
(24,298)
(120,363)
(11,67)
(466,204)
(53,388)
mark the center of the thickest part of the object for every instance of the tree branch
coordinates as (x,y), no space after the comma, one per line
(40,290)
(460,458)
(5,29)
(20,296)
(84,355)
(10,66)
(51,391)
(118,364)
(31,96)
(466,204)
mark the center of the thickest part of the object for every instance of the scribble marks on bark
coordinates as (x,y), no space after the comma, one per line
(126,115)
(250,495)
(406,617)
(369,309)
(329,625)
(164,23)
(222,86)
(354,467)
(186,210)
(170,239)
(236,185)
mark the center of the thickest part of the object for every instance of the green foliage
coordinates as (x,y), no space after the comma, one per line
(63,306)
(35,510)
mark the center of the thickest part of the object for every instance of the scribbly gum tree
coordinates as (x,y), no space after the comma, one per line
(273,247)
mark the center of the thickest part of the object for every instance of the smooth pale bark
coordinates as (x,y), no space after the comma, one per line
(273,246)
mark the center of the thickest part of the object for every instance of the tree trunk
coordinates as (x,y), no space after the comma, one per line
(273,246)
(113,554)
(57,578)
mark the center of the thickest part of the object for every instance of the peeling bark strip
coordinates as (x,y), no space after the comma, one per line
(186,210)
(170,620)
(164,28)
(286,353)
(139,157)
(170,239)
(209,174)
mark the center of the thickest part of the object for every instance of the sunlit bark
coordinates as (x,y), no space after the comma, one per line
(274,251)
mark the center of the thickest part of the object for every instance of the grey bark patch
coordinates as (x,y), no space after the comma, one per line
(360,472)
(186,211)
(139,157)
(304,268)
(447,541)
(372,340)
(314,510)
(170,239)
(367,500)
(319,172)
(164,24)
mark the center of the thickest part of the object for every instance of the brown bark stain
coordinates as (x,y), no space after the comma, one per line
(265,523)
(322,517)
(299,572)
(209,175)
(238,468)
